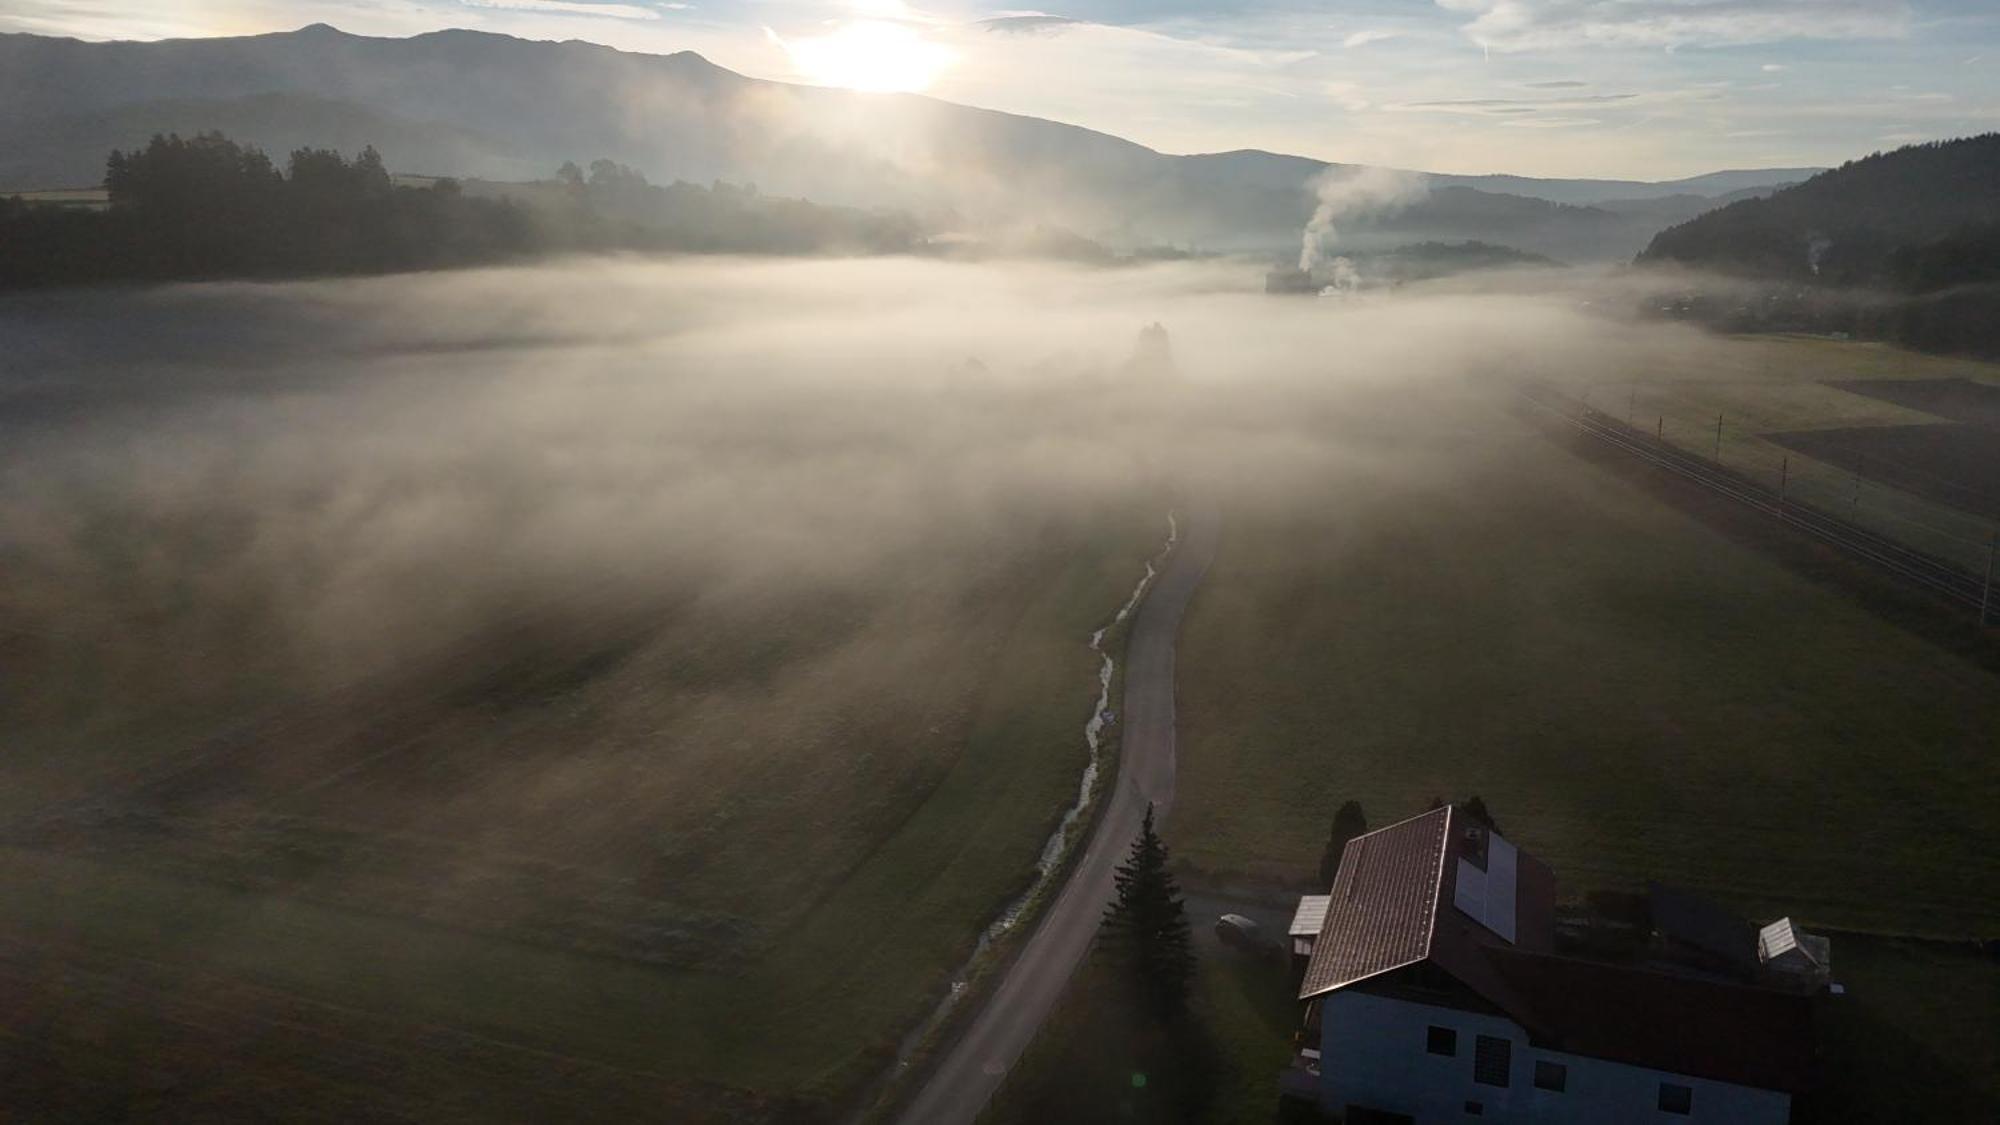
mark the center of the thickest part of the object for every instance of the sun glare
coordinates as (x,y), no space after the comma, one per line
(870,55)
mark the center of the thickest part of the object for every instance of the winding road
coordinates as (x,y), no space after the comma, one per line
(965,1081)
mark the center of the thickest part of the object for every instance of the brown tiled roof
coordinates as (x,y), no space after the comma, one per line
(1381,909)
(1664,1021)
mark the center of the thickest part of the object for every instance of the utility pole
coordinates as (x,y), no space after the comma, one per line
(1784,478)
(1631,406)
(1718,438)
(1660,430)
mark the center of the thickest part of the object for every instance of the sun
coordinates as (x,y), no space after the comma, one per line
(872,55)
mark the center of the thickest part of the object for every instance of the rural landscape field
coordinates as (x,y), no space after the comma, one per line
(895,563)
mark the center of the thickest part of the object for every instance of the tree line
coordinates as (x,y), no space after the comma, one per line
(205,206)
(208,207)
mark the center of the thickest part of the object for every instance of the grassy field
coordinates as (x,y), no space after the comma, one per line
(1764,389)
(95,199)
(1098,1060)
(847,908)
(618,708)
(1635,693)
(1637,684)
(642,683)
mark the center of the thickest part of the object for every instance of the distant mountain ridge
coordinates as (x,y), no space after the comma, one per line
(477,104)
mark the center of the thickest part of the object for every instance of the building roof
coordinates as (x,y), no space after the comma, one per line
(1694,921)
(1397,901)
(1783,937)
(1672,1022)
(1309,917)
(1383,903)
(1394,901)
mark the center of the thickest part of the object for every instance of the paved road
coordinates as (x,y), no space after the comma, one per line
(961,1086)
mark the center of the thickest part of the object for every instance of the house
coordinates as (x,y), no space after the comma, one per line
(1304,930)
(1440,987)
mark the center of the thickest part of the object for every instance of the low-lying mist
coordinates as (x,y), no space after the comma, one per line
(724,616)
(317,480)
(666,573)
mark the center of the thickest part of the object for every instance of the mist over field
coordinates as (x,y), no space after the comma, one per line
(596,652)
(324,479)
(229,499)
(643,608)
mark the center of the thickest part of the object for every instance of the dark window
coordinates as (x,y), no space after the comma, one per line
(1676,1099)
(1474,1109)
(1491,1057)
(1551,1076)
(1441,1041)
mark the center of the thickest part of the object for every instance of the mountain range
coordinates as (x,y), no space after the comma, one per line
(474,104)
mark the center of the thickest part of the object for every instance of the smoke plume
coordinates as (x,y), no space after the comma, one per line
(1346,192)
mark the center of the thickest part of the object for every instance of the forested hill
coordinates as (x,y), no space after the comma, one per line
(1920,218)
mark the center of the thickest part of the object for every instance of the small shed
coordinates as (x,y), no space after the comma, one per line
(1306,923)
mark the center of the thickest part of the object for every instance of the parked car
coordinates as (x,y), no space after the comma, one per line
(1240,933)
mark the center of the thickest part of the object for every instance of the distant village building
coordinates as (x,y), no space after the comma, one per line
(1440,985)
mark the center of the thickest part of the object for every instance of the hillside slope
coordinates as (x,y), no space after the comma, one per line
(476,104)
(1914,218)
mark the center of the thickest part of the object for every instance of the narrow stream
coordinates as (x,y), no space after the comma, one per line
(1053,850)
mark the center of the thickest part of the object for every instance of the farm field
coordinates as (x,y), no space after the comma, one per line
(1901,442)
(603,711)
(1634,693)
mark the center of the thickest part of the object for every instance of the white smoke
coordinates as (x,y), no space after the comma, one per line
(1346,192)
(1346,279)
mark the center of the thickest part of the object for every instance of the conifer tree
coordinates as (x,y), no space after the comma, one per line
(1348,822)
(1146,926)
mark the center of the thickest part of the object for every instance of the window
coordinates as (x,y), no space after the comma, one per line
(1551,1076)
(1441,1041)
(1676,1099)
(1491,1058)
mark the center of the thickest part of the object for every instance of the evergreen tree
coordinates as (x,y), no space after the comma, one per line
(1348,822)
(1146,926)
(1476,809)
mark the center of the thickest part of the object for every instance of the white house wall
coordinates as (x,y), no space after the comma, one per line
(1373,1053)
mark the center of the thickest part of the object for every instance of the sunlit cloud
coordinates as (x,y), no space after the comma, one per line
(1540,25)
(1035,23)
(1363,38)
(572,7)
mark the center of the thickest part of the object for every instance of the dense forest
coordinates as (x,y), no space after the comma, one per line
(207,207)
(1901,246)
(1916,220)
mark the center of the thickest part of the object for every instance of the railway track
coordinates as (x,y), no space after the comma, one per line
(1946,580)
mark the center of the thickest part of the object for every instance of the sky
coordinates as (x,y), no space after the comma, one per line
(1644,89)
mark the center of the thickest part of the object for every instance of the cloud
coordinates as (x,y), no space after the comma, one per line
(1372,35)
(572,8)
(1550,122)
(1511,107)
(1773,68)
(1031,24)
(1533,25)
(1557,84)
